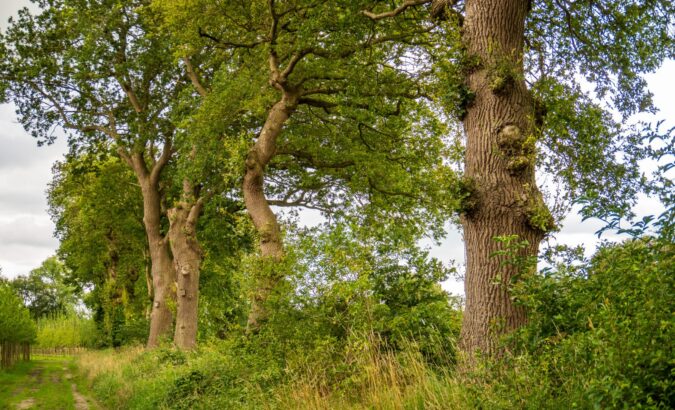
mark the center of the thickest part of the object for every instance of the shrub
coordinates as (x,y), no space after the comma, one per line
(601,335)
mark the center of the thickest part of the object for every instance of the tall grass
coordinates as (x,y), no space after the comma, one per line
(133,378)
(383,380)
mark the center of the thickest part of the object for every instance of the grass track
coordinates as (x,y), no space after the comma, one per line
(46,383)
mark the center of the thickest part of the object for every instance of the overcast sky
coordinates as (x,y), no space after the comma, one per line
(25,169)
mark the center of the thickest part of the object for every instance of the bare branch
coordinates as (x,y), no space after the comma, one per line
(393,13)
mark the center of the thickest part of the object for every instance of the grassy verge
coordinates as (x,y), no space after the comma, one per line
(217,377)
(11,381)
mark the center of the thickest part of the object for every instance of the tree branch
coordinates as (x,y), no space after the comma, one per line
(164,158)
(295,59)
(194,77)
(393,13)
(133,99)
(317,163)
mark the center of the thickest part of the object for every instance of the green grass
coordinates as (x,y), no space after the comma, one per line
(45,381)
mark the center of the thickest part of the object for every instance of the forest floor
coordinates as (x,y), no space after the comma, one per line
(46,382)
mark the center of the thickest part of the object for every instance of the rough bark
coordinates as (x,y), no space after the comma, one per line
(187,256)
(258,207)
(500,165)
(162,269)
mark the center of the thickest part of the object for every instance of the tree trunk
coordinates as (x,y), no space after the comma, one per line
(162,269)
(187,256)
(148,282)
(161,262)
(264,220)
(499,164)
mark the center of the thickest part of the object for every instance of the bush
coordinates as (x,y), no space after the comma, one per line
(601,335)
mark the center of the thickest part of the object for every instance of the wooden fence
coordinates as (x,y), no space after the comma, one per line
(58,351)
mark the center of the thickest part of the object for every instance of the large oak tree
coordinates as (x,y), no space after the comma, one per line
(516,83)
(337,107)
(94,69)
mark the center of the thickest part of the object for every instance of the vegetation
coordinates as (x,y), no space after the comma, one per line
(205,135)
(46,382)
(44,290)
(17,330)
(70,331)
(600,336)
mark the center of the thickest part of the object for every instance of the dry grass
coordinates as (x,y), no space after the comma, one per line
(97,362)
(377,380)
(387,381)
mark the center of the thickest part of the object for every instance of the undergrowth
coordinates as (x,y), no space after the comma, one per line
(600,336)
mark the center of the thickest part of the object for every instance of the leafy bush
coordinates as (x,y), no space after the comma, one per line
(16,325)
(601,334)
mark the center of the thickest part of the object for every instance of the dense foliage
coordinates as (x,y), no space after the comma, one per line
(17,329)
(603,331)
(45,291)
(66,331)
(205,136)
(16,325)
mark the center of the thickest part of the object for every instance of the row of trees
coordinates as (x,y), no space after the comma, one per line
(17,330)
(186,118)
(55,310)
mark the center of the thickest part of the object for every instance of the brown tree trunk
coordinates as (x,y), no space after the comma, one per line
(162,268)
(264,220)
(500,166)
(187,256)
(148,282)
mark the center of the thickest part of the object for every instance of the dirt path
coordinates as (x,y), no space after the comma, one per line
(45,383)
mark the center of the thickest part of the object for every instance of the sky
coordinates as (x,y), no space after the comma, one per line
(26,231)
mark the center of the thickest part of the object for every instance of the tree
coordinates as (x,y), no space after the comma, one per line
(334,121)
(45,291)
(515,82)
(97,208)
(95,69)
(17,330)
